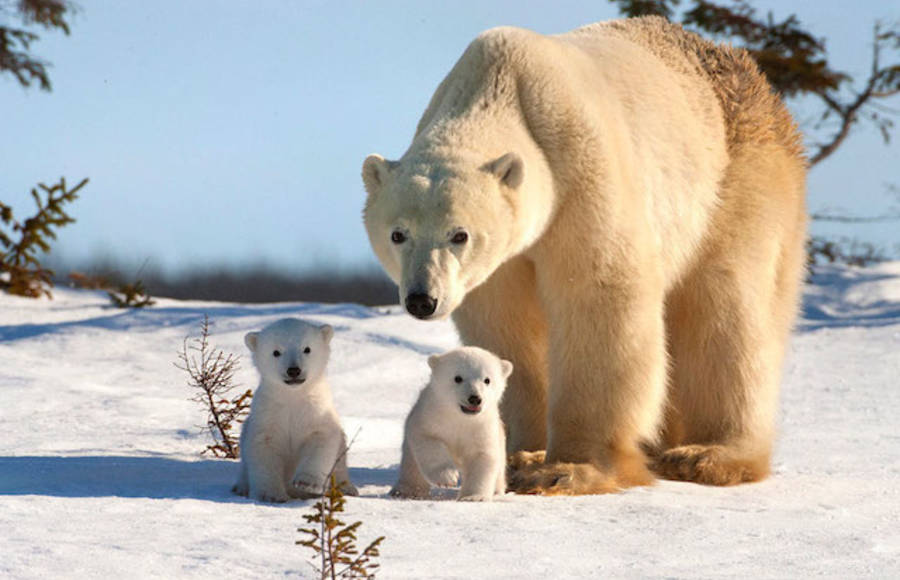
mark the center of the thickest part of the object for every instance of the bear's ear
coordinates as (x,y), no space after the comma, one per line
(375,172)
(327,332)
(433,360)
(506,367)
(509,169)
(251,340)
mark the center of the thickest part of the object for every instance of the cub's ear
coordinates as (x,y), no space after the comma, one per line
(506,367)
(375,172)
(251,340)
(327,332)
(433,360)
(509,169)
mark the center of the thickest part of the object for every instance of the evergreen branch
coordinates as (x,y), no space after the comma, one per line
(24,274)
(333,541)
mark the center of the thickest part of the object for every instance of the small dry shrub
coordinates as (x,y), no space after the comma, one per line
(211,374)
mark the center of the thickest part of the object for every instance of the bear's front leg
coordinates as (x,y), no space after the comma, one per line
(319,457)
(607,380)
(480,477)
(434,460)
(411,483)
(264,468)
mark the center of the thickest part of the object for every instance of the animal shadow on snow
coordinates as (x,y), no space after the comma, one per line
(144,477)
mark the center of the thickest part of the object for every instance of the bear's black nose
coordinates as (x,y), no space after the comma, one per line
(474,400)
(420,305)
(293,372)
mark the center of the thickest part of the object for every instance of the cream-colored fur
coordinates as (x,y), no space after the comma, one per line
(292,438)
(455,427)
(619,211)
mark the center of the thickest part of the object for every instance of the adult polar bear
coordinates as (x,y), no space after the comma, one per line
(619,211)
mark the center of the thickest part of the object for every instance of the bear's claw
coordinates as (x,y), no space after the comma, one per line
(560,479)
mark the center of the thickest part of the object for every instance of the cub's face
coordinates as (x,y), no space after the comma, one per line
(440,229)
(290,352)
(469,379)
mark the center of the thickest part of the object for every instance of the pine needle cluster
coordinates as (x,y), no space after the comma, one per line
(335,542)
(211,373)
(21,272)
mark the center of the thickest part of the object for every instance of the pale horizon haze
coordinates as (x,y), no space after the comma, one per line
(229,134)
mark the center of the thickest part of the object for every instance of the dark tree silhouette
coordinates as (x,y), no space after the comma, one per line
(15,42)
(796,62)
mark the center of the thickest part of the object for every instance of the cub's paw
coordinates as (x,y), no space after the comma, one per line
(446,477)
(709,465)
(561,479)
(271,497)
(306,487)
(348,488)
(474,497)
(404,492)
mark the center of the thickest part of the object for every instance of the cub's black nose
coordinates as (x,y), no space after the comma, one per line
(293,372)
(420,305)
(474,400)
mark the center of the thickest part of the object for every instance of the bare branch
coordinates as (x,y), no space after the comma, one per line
(211,371)
(880,84)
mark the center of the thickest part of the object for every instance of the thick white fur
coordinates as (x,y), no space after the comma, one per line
(633,203)
(441,441)
(293,437)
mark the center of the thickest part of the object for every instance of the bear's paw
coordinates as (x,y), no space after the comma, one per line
(709,465)
(561,479)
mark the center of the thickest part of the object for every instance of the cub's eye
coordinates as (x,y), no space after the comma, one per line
(457,378)
(459,238)
(487,380)
(306,350)
(276,353)
(398,237)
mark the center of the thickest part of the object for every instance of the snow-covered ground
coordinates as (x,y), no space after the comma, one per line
(100,475)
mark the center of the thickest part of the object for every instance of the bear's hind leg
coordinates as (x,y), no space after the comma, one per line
(728,322)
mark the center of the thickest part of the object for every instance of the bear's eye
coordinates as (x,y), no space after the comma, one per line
(398,237)
(457,378)
(306,350)
(487,380)
(459,238)
(276,353)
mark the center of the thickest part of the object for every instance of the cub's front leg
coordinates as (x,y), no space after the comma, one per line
(425,462)
(263,468)
(434,460)
(481,475)
(319,455)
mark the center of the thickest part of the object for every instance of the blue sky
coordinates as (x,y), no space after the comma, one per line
(226,133)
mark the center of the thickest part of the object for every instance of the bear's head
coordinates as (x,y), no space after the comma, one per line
(290,351)
(442,226)
(469,378)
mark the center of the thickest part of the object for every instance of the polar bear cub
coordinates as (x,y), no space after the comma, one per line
(292,438)
(454,428)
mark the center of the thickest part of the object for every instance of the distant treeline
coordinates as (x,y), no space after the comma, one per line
(241,284)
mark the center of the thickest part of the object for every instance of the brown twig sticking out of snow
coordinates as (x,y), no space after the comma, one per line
(212,374)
